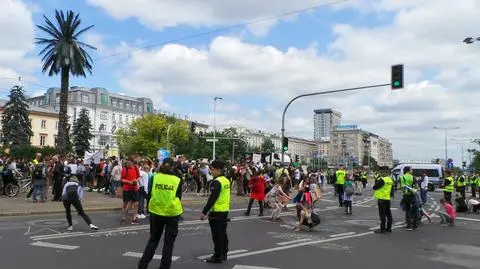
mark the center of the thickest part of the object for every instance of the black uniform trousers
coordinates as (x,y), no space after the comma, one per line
(410,211)
(218,225)
(385,214)
(157,225)
(73,200)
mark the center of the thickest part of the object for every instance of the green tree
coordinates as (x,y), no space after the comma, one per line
(146,135)
(82,134)
(373,163)
(16,125)
(64,53)
(268,146)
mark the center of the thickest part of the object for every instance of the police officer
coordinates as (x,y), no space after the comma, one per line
(461,184)
(340,175)
(165,208)
(218,205)
(383,193)
(448,186)
(408,199)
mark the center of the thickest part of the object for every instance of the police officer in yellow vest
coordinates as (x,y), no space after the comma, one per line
(383,193)
(448,186)
(408,199)
(165,208)
(461,184)
(340,175)
(218,205)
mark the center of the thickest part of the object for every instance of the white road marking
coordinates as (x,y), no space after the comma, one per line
(251,267)
(394,208)
(203,257)
(363,206)
(326,200)
(51,245)
(469,219)
(293,242)
(53,235)
(139,255)
(398,223)
(342,234)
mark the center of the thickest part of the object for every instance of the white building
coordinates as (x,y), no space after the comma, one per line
(108,111)
(324,121)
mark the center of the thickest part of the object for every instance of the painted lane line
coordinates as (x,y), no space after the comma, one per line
(326,200)
(203,257)
(399,223)
(293,242)
(342,234)
(50,245)
(262,251)
(139,255)
(469,219)
(53,235)
(394,208)
(251,267)
(363,206)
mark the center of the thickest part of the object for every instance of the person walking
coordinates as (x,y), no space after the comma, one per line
(383,193)
(165,208)
(218,205)
(71,195)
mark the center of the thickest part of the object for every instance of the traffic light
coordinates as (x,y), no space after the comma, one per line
(464,164)
(296,158)
(397,77)
(285,144)
(193,126)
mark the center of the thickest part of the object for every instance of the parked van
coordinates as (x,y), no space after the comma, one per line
(433,171)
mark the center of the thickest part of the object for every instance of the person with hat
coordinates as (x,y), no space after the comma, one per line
(71,195)
(165,209)
(218,205)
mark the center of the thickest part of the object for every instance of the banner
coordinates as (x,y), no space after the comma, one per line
(94,157)
(256,158)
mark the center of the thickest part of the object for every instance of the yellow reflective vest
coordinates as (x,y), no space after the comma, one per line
(223,201)
(164,200)
(384,192)
(449,187)
(340,174)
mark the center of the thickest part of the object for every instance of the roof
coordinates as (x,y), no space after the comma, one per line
(31,108)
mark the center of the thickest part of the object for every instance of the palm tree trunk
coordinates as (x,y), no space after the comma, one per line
(63,117)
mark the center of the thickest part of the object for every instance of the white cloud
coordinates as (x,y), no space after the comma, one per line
(441,74)
(159,14)
(16,30)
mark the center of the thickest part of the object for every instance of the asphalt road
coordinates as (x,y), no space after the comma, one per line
(339,242)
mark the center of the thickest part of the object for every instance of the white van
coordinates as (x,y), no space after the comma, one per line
(433,171)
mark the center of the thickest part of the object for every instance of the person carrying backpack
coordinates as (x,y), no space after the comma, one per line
(39,179)
(349,192)
(71,195)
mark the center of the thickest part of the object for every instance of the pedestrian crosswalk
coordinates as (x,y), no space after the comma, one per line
(139,255)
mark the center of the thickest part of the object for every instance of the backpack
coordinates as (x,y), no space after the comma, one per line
(349,190)
(37,172)
(315,219)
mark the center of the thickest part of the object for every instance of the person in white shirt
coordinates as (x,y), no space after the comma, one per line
(424,187)
(115,177)
(143,191)
(71,195)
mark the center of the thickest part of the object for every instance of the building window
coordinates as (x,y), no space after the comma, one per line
(149,108)
(103,115)
(114,103)
(120,118)
(85,98)
(113,117)
(120,103)
(127,105)
(126,119)
(102,141)
(104,99)
(56,125)
(43,124)
(55,140)
(43,139)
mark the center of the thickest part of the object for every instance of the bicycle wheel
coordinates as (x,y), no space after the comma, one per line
(192,186)
(26,187)
(184,187)
(11,190)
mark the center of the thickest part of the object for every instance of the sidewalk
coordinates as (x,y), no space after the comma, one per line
(17,206)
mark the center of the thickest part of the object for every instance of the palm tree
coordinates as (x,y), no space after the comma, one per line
(63,53)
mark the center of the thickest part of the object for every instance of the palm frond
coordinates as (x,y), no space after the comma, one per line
(77,34)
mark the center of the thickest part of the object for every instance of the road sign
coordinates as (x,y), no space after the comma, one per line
(211,140)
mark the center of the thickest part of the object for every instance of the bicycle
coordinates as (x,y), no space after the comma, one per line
(189,184)
(19,184)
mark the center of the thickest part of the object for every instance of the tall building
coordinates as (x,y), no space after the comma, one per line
(108,111)
(324,120)
(349,145)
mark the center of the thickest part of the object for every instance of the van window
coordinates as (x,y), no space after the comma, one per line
(429,172)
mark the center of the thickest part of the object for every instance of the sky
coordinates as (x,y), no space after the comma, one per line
(257,55)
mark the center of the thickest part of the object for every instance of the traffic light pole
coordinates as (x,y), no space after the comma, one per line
(322,93)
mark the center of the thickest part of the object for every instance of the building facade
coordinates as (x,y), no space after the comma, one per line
(349,146)
(44,125)
(324,121)
(108,111)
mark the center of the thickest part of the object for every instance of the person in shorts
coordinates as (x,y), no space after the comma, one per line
(130,178)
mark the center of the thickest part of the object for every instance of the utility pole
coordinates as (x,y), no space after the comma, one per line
(446,140)
(214,124)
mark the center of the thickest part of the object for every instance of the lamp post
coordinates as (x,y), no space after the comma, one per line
(446,140)
(470,40)
(168,135)
(214,124)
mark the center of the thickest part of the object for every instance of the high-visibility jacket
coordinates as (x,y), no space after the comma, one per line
(223,201)
(340,174)
(384,192)
(164,200)
(459,181)
(407,180)
(450,186)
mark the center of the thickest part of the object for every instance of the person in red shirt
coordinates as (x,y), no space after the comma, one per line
(448,217)
(130,177)
(257,184)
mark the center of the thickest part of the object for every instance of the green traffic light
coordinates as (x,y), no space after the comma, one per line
(396,83)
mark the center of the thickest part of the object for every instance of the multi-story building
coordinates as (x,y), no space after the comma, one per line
(44,125)
(349,145)
(108,111)
(323,148)
(324,120)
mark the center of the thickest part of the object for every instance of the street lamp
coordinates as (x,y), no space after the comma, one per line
(446,141)
(168,135)
(470,40)
(214,125)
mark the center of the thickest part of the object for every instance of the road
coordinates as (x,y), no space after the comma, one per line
(339,242)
